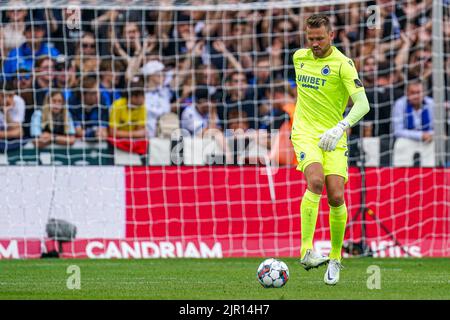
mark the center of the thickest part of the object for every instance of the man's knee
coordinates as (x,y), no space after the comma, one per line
(336,198)
(316,183)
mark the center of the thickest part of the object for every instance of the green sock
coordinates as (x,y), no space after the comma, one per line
(309,209)
(338,220)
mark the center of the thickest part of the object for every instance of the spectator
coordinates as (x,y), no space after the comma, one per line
(53,124)
(89,113)
(237,121)
(12,31)
(420,66)
(128,115)
(182,33)
(86,58)
(65,76)
(45,77)
(239,96)
(208,77)
(368,67)
(378,120)
(261,76)
(12,112)
(282,107)
(200,119)
(110,75)
(67,30)
(130,42)
(200,115)
(158,94)
(413,114)
(23,83)
(234,52)
(283,46)
(29,51)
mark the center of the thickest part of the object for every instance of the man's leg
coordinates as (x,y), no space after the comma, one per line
(309,208)
(338,213)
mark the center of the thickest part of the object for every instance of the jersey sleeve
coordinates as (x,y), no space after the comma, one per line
(350,77)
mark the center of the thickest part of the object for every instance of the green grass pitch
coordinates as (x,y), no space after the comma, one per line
(219,279)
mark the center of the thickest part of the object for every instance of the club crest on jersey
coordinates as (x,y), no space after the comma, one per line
(326,70)
(301,65)
(302,156)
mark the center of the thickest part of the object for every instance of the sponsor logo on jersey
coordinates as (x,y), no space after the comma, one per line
(310,81)
(358,83)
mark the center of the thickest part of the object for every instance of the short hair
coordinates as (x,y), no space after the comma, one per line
(7,87)
(110,65)
(136,87)
(235,72)
(201,93)
(384,69)
(413,80)
(318,20)
(40,60)
(89,82)
(236,114)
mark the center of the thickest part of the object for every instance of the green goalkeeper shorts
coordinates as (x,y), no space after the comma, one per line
(308,151)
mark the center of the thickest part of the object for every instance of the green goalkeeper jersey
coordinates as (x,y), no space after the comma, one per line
(323,88)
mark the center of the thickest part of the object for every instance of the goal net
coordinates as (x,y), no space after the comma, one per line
(147,129)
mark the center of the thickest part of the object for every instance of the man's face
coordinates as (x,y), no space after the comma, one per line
(131,32)
(203,106)
(263,69)
(239,30)
(46,70)
(156,79)
(184,28)
(90,96)
(137,100)
(319,40)
(210,77)
(369,68)
(415,94)
(36,36)
(7,99)
(238,83)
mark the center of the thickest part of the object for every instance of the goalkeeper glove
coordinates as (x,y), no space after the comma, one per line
(330,138)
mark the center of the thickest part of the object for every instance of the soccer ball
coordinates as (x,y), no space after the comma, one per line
(272,273)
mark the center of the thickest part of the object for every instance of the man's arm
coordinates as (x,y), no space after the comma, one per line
(359,110)
(355,89)
(13,131)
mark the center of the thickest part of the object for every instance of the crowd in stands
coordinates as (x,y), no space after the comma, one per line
(115,74)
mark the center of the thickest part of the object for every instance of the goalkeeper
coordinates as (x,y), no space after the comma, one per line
(325,79)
